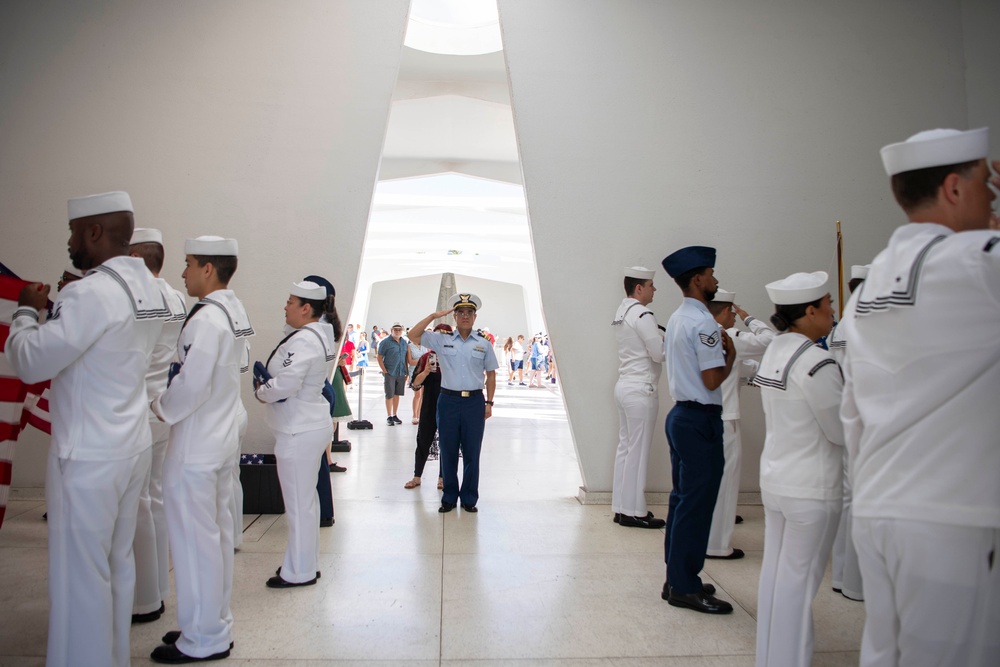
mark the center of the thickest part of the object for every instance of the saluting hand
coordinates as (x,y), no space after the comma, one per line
(35,295)
(442,313)
(742,313)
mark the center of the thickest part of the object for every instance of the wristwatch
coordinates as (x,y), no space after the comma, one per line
(489,403)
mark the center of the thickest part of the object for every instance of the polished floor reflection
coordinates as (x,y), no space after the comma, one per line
(533,579)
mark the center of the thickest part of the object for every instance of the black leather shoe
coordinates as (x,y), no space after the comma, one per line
(446,507)
(706,604)
(319,575)
(618,517)
(707,589)
(171,638)
(171,655)
(739,519)
(336,468)
(736,555)
(151,616)
(326,523)
(470,508)
(278,582)
(648,521)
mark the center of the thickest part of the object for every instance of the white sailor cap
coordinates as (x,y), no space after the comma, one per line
(211,245)
(108,202)
(639,273)
(72,270)
(798,288)
(146,235)
(465,301)
(860,271)
(722,296)
(936,148)
(308,290)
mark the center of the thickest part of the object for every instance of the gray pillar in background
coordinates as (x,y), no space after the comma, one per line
(445,292)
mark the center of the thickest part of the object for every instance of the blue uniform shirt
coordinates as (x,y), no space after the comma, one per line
(692,344)
(462,362)
(393,354)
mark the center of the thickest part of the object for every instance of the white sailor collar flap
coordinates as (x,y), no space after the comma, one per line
(884,289)
(144,295)
(239,321)
(623,310)
(777,378)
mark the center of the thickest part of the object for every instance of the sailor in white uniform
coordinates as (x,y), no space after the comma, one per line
(801,467)
(922,377)
(152,564)
(201,405)
(749,346)
(846,571)
(96,347)
(299,416)
(640,361)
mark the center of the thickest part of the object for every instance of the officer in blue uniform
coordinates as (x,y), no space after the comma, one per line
(699,356)
(465,357)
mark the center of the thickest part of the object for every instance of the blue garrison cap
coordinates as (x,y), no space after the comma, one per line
(685,259)
(323,282)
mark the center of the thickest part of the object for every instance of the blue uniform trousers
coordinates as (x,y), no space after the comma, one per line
(461,422)
(325,489)
(694,433)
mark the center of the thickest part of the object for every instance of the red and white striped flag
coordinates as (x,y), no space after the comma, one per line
(20,403)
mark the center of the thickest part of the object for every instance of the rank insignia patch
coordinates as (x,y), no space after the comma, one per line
(287,362)
(710,341)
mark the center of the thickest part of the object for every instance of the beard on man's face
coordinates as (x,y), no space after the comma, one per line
(81,260)
(709,296)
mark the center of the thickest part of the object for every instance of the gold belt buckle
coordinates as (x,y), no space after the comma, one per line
(466,394)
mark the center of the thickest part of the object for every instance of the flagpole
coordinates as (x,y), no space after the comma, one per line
(840,273)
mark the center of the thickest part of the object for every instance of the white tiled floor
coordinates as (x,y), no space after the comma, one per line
(534,578)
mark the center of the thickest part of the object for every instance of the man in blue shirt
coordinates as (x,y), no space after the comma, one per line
(392,360)
(699,356)
(465,357)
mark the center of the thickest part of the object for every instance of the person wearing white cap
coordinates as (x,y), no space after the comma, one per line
(801,467)
(96,348)
(922,376)
(749,346)
(846,570)
(466,358)
(152,565)
(201,405)
(640,361)
(299,416)
(392,355)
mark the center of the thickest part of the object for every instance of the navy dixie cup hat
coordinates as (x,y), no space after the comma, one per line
(692,257)
(323,282)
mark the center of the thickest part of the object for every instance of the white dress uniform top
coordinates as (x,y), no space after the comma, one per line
(96,348)
(242,420)
(922,376)
(202,405)
(302,429)
(152,564)
(749,346)
(801,484)
(640,362)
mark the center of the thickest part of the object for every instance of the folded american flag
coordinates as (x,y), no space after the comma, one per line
(20,403)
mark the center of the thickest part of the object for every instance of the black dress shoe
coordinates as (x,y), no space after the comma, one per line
(736,555)
(470,508)
(618,517)
(446,507)
(319,575)
(648,521)
(702,602)
(707,589)
(151,616)
(171,655)
(326,523)
(739,519)
(336,468)
(171,638)
(278,582)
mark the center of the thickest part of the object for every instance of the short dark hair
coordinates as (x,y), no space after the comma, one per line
(151,253)
(225,265)
(632,283)
(786,315)
(853,284)
(915,188)
(716,307)
(684,280)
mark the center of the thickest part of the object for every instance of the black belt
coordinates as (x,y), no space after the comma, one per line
(714,409)
(463,394)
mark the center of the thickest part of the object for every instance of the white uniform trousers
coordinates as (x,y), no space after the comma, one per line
(92,513)
(798,536)
(724,515)
(297,456)
(198,500)
(637,407)
(932,593)
(152,565)
(237,507)
(846,571)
